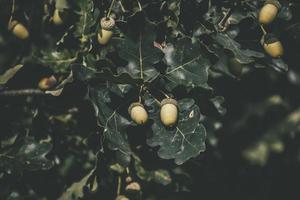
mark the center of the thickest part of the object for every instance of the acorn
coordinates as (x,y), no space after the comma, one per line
(121,197)
(134,186)
(272,45)
(105,33)
(168,112)
(138,113)
(47,82)
(57,17)
(269,11)
(18,29)
(128,179)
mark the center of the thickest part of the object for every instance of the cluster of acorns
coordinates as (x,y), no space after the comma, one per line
(168,112)
(21,32)
(267,15)
(131,187)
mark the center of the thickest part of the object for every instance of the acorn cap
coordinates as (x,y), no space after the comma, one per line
(273,2)
(107,23)
(270,38)
(134,105)
(168,101)
(12,24)
(121,197)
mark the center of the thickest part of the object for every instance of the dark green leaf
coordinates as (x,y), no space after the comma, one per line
(114,125)
(28,154)
(244,56)
(140,54)
(182,142)
(186,65)
(86,19)
(59,61)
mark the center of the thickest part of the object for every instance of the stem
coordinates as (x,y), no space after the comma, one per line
(119,185)
(141,60)
(24,92)
(263,30)
(226,15)
(156,100)
(12,11)
(141,89)
(139,4)
(122,7)
(164,94)
(209,4)
(110,8)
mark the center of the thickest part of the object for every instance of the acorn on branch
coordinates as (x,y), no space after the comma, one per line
(47,83)
(121,197)
(57,17)
(138,113)
(272,45)
(168,112)
(105,33)
(269,11)
(134,186)
(18,29)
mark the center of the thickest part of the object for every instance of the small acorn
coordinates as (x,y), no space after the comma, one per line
(47,83)
(57,17)
(269,11)
(105,33)
(134,186)
(138,113)
(121,197)
(128,179)
(18,29)
(272,45)
(168,112)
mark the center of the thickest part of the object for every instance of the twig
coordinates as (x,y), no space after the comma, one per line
(263,30)
(110,8)
(119,185)
(24,92)
(12,12)
(139,4)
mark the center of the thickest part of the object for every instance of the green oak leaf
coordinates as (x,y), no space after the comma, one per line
(140,54)
(59,61)
(183,141)
(114,125)
(27,154)
(160,176)
(86,19)
(186,65)
(244,56)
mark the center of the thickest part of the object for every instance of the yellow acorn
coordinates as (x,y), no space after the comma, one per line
(168,112)
(57,18)
(134,186)
(47,83)
(269,11)
(138,113)
(18,29)
(105,33)
(272,46)
(121,197)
